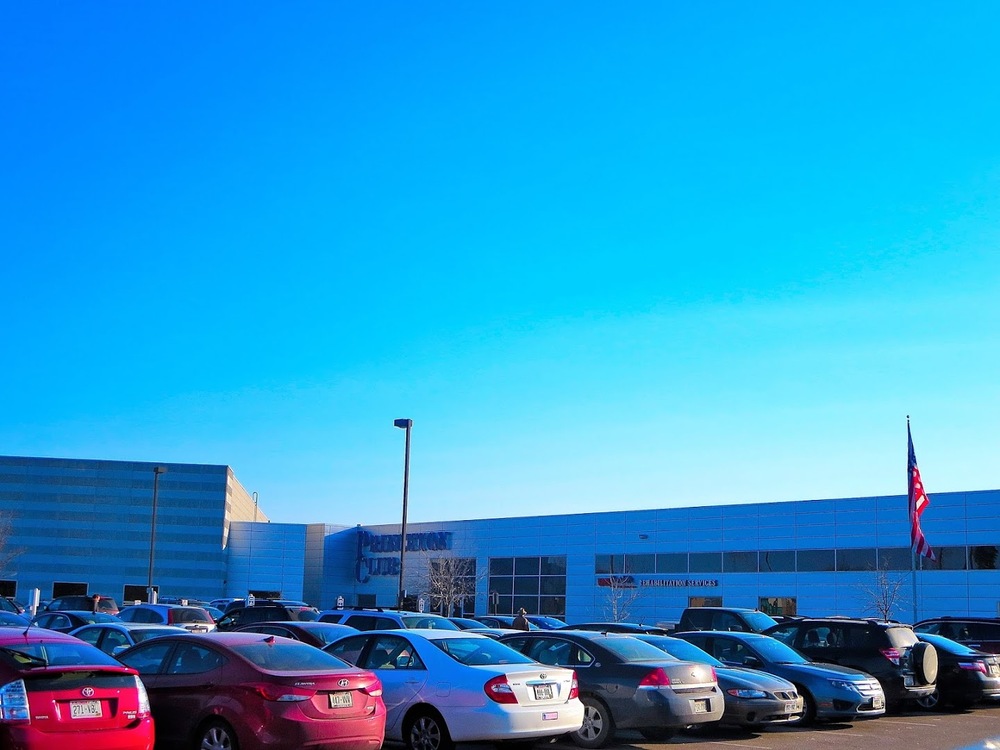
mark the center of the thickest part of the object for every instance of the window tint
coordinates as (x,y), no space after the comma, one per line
(193,659)
(777,561)
(147,659)
(349,649)
(816,560)
(480,651)
(392,652)
(288,656)
(672,562)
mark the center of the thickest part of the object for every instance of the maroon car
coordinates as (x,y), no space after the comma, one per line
(57,692)
(256,692)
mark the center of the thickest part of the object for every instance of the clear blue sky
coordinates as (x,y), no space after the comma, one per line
(605,256)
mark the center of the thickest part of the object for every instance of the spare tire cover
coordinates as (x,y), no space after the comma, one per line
(925,662)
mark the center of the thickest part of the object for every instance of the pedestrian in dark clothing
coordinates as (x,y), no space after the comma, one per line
(521,622)
(96,601)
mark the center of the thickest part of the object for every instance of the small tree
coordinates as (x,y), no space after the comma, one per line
(451,581)
(621,593)
(883,592)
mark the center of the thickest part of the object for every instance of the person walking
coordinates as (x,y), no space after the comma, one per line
(521,622)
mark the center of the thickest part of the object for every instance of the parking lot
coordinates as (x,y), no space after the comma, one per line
(906,731)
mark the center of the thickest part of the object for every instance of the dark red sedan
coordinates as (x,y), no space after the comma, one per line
(57,692)
(222,691)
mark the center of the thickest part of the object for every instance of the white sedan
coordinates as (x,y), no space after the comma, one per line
(446,686)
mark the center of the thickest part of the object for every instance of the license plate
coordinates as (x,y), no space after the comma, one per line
(878,702)
(341,700)
(543,692)
(700,707)
(550,716)
(907,680)
(790,707)
(85,709)
(994,670)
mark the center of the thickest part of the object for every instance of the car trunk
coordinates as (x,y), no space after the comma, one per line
(80,701)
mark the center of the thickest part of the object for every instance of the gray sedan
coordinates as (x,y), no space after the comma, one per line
(753,698)
(829,691)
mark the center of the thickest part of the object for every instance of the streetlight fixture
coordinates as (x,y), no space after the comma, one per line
(150,594)
(403,424)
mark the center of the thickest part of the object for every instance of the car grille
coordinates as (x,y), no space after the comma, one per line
(868,687)
(786,695)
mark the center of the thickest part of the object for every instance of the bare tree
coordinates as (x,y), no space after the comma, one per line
(883,592)
(451,582)
(621,594)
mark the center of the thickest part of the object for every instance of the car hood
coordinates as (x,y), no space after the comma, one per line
(829,671)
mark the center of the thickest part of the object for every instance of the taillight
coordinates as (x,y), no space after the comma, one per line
(656,678)
(973,666)
(715,677)
(144,709)
(499,690)
(574,688)
(282,693)
(374,689)
(14,702)
(891,654)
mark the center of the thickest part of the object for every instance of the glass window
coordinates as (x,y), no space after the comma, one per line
(552,605)
(855,559)
(705,562)
(526,585)
(672,562)
(895,558)
(554,566)
(983,557)
(815,560)
(501,566)
(777,561)
(948,558)
(704,601)
(609,563)
(739,562)
(554,585)
(525,566)
(502,585)
(777,605)
(640,563)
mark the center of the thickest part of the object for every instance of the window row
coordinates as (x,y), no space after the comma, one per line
(979,557)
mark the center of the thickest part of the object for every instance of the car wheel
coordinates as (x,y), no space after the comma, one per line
(930,702)
(217,735)
(657,734)
(925,662)
(426,730)
(597,724)
(808,707)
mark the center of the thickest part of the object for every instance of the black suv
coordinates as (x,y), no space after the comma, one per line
(741,619)
(980,633)
(265,611)
(889,651)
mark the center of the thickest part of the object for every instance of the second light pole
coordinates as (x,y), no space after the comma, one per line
(407,425)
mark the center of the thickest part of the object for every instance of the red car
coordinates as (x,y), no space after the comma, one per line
(256,692)
(57,692)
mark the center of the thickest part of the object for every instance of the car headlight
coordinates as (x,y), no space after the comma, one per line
(845,685)
(746,693)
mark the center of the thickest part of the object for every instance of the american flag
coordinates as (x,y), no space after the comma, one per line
(918,502)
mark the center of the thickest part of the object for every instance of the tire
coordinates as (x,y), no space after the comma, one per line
(216,735)
(426,730)
(598,727)
(930,702)
(924,659)
(808,708)
(657,734)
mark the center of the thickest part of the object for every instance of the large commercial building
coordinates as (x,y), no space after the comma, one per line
(86,525)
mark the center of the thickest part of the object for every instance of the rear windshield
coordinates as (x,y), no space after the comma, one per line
(423,621)
(303,614)
(192,614)
(759,621)
(293,656)
(479,651)
(51,654)
(632,649)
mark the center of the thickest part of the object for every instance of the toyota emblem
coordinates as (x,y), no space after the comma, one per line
(344,683)
(87,692)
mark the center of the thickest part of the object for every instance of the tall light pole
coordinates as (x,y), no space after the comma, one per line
(250,550)
(157,470)
(403,424)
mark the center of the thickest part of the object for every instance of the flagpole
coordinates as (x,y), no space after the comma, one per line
(909,505)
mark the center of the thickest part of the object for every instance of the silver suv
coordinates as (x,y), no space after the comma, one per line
(386,619)
(192,619)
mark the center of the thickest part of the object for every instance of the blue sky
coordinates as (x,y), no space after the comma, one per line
(605,257)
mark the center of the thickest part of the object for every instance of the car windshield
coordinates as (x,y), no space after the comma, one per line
(776,651)
(628,648)
(55,653)
(682,650)
(278,656)
(423,621)
(479,651)
(759,621)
